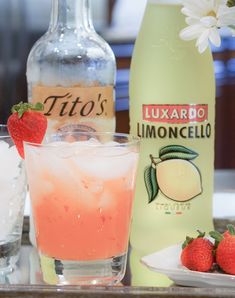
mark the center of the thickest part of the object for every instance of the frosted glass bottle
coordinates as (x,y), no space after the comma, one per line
(172,108)
(72,70)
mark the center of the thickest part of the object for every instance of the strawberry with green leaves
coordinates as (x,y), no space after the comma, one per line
(197,253)
(27,123)
(225,249)
(229,232)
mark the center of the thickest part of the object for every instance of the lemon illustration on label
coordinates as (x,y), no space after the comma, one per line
(169,172)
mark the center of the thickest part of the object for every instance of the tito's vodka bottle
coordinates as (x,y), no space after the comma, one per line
(71,70)
(172,93)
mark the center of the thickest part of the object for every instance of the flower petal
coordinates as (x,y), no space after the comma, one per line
(226,17)
(214,37)
(208,21)
(202,46)
(218,4)
(203,38)
(192,21)
(191,32)
(189,13)
(195,6)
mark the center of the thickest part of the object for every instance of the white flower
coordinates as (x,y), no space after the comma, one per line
(205,18)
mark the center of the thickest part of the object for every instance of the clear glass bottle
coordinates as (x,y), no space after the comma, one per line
(172,108)
(72,70)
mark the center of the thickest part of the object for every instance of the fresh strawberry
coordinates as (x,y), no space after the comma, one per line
(229,232)
(27,123)
(225,249)
(197,253)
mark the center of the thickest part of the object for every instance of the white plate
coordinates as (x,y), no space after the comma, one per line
(167,261)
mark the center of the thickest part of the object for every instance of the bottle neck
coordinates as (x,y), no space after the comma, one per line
(71,14)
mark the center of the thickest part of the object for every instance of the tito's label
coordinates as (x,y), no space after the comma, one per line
(178,119)
(75,102)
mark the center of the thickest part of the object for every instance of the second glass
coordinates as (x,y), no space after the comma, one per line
(82,188)
(13,188)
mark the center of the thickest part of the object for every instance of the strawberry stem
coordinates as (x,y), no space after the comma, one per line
(188,239)
(201,234)
(23,107)
(231,229)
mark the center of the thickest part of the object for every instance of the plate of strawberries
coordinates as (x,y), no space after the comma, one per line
(204,261)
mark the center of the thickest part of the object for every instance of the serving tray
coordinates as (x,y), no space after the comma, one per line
(26,281)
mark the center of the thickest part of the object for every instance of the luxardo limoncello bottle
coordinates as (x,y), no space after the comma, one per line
(172,109)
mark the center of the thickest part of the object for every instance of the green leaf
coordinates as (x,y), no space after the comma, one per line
(231,3)
(178,155)
(21,112)
(177,152)
(23,107)
(217,236)
(151,183)
(187,241)
(231,229)
(38,107)
(175,148)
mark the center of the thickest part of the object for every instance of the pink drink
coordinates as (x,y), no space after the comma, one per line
(82,195)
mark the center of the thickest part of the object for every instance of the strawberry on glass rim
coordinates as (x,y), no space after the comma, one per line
(27,123)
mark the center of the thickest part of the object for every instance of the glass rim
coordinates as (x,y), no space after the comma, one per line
(132,140)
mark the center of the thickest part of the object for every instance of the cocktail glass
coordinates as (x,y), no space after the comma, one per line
(81,187)
(13,188)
